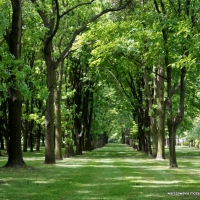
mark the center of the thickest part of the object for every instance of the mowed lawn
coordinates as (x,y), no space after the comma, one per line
(114,172)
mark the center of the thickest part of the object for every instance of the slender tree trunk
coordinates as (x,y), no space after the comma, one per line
(87,115)
(26,125)
(141,114)
(49,126)
(123,136)
(161,115)
(15,97)
(38,136)
(79,136)
(3,124)
(58,134)
(88,136)
(173,123)
(1,133)
(43,140)
(172,136)
(78,101)
(141,132)
(1,141)
(153,130)
(147,131)
(152,117)
(5,130)
(39,129)
(31,128)
(172,145)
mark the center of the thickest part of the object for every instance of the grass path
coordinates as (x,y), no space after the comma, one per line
(115,172)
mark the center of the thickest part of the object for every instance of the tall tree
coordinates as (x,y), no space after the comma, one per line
(176,65)
(13,39)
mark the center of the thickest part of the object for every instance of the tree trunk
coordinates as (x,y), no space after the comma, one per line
(26,125)
(38,136)
(1,135)
(15,98)
(58,134)
(43,140)
(141,136)
(88,125)
(147,132)
(15,113)
(173,123)
(79,136)
(77,71)
(3,124)
(87,114)
(153,130)
(161,115)
(31,129)
(172,136)
(1,141)
(123,137)
(152,111)
(180,113)
(49,115)
(85,111)
(6,131)
(172,146)
(49,126)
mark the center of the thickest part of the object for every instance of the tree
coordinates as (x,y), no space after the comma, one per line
(176,65)
(13,39)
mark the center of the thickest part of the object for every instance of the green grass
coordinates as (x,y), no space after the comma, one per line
(115,172)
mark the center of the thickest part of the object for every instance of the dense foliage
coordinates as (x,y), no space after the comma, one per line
(87,71)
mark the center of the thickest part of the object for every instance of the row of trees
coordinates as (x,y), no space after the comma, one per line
(36,50)
(151,54)
(78,77)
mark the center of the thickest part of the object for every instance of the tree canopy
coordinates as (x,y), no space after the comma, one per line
(85,71)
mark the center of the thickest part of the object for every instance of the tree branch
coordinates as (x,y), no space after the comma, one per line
(49,39)
(180,114)
(156,6)
(176,88)
(65,52)
(118,81)
(74,7)
(132,86)
(163,7)
(156,73)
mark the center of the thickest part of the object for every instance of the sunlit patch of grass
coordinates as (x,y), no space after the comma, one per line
(115,172)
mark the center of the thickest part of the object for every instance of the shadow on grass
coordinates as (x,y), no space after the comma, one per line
(115,172)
